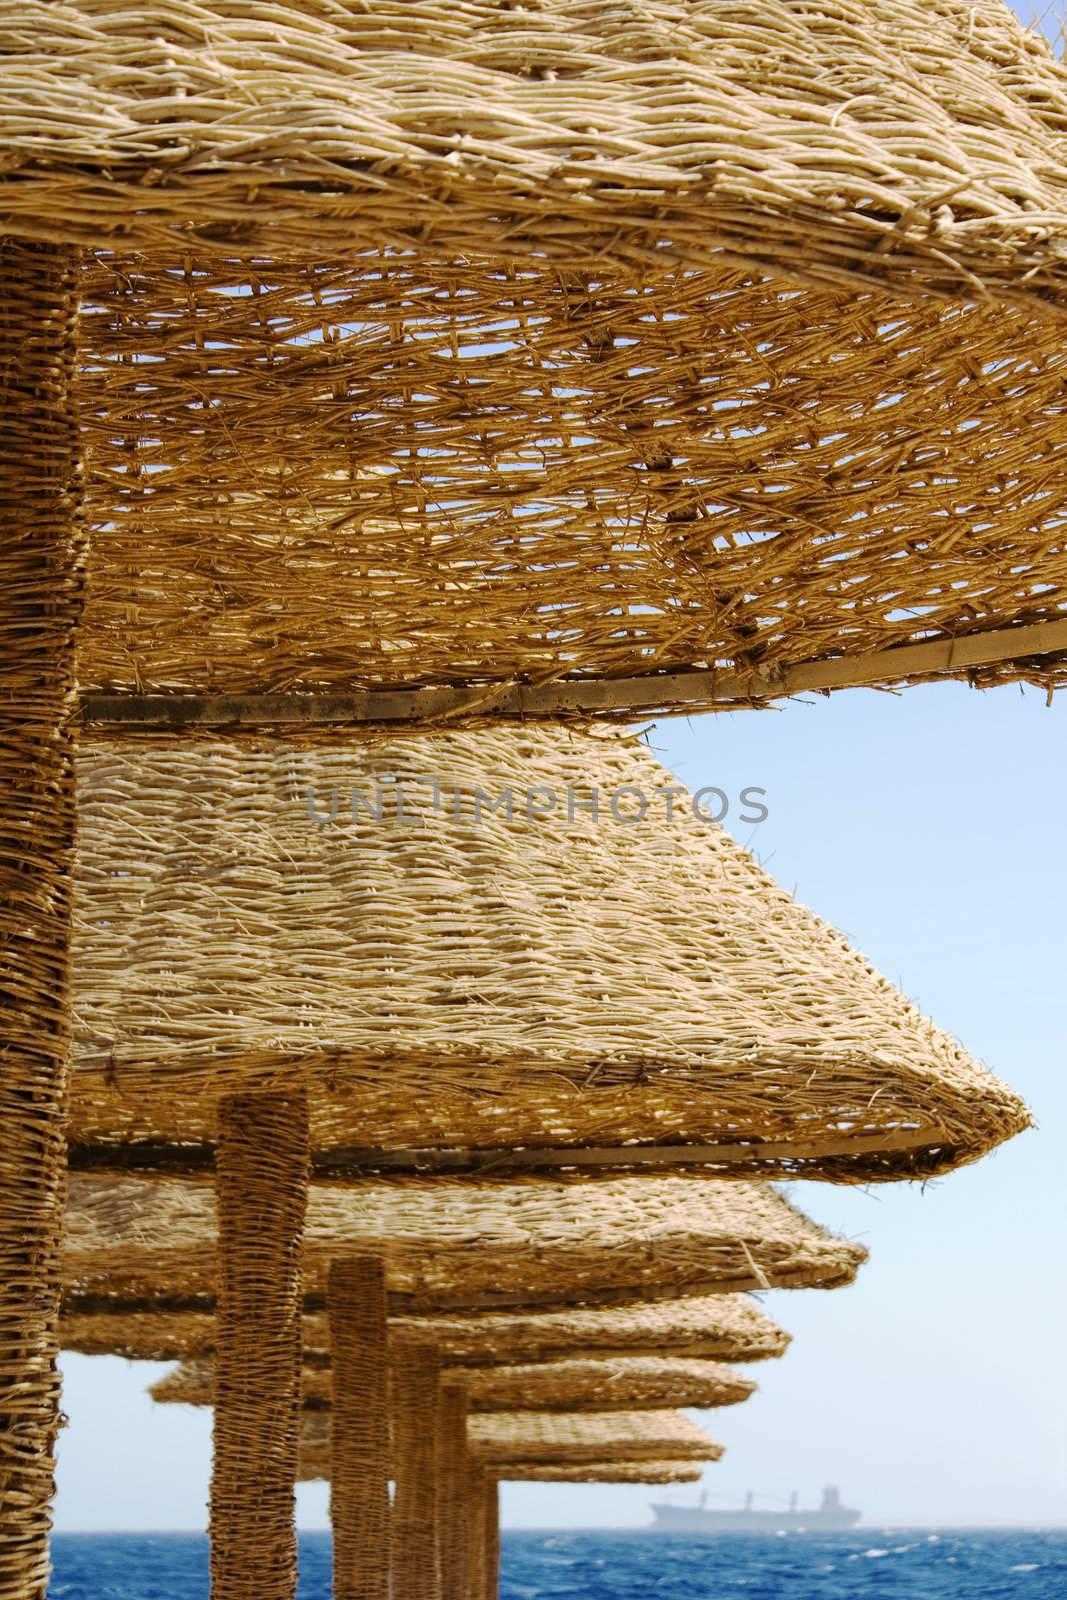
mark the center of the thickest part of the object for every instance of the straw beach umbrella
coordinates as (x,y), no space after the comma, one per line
(603,1472)
(472,1480)
(429,364)
(137,1242)
(624,1383)
(469,1244)
(719,1327)
(568,1386)
(542,952)
(671,1337)
(470,996)
(502,314)
(532,1436)
(482,1499)
(656,1340)
(616,1446)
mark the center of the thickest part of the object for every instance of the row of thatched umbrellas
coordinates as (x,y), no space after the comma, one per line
(599,946)
(397,1390)
(517,1371)
(372,376)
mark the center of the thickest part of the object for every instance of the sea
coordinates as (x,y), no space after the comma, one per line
(882,1563)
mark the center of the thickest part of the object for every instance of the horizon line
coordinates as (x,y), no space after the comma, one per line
(650,1527)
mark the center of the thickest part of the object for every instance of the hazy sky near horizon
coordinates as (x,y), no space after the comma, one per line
(930,828)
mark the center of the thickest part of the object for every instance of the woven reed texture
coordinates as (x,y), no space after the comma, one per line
(468,979)
(811,142)
(528,1436)
(41,555)
(605,1472)
(489,1241)
(716,1327)
(262,1191)
(624,1383)
(359,1433)
(397,474)
(315,1465)
(416,1410)
(452,1490)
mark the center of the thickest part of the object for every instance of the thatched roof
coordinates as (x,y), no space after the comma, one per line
(718,1327)
(603,1472)
(388,490)
(468,979)
(527,1438)
(714,1327)
(424,349)
(452,1243)
(315,1464)
(814,143)
(625,1435)
(621,1383)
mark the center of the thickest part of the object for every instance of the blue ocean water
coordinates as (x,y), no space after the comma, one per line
(883,1564)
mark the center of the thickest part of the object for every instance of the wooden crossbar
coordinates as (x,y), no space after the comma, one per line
(665,693)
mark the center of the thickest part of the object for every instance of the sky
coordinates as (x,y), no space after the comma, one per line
(929,826)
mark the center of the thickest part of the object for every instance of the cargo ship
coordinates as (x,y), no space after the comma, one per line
(829,1516)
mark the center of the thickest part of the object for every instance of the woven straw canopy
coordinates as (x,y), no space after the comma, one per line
(717,1327)
(579,1384)
(588,132)
(589,1436)
(714,1327)
(315,1463)
(482,364)
(510,1438)
(468,980)
(605,1472)
(623,1383)
(425,346)
(448,1242)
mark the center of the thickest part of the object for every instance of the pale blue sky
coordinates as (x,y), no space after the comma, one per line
(929,826)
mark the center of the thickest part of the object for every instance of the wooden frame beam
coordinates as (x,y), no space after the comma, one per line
(402,1304)
(673,693)
(339,1165)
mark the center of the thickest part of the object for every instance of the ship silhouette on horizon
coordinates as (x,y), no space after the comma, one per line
(829,1515)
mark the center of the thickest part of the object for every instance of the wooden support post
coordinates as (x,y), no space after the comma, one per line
(491,1523)
(41,560)
(261,1185)
(452,1486)
(416,1373)
(359,1428)
(476,1498)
